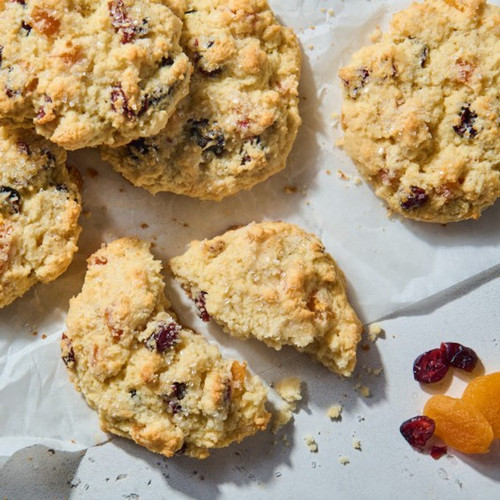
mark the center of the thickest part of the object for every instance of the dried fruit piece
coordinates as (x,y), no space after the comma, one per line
(417,431)
(438,451)
(415,199)
(460,356)
(121,21)
(484,394)
(200,304)
(459,424)
(164,337)
(10,200)
(431,366)
(119,102)
(43,22)
(467,119)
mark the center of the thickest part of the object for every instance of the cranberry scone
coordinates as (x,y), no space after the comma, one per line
(421,110)
(39,209)
(90,72)
(238,124)
(275,282)
(149,378)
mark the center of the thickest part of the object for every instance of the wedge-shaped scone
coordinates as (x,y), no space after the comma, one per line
(275,282)
(150,379)
(39,209)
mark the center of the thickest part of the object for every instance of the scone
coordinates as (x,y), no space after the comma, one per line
(421,110)
(238,124)
(149,378)
(90,72)
(39,209)
(275,282)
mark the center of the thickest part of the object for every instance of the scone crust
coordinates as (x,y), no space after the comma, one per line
(421,110)
(275,282)
(90,72)
(39,209)
(237,126)
(150,379)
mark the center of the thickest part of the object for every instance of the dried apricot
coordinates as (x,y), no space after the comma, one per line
(459,424)
(484,394)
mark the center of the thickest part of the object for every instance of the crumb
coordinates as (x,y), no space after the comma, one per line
(356,444)
(376,35)
(328,172)
(342,175)
(35,333)
(153,244)
(311,444)
(363,390)
(374,331)
(331,12)
(335,412)
(312,27)
(357,181)
(339,142)
(92,172)
(344,460)
(121,190)
(290,189)
(86,214)
(44,336)
(289,389)
(144,225)
(323,10)
(310,46)
(377,371)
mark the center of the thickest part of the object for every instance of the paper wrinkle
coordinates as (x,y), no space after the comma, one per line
(389,262)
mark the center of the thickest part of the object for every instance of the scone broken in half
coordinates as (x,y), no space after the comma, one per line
(150,379)
(275,282)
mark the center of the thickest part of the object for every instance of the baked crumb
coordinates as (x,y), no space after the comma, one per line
(344,460)
(289,389)
(374,331)
(356,444)
(281,417)
(357,181)
(342,175)
(376,35)
(363,390)
(290,189)
(335,412)
(311,443)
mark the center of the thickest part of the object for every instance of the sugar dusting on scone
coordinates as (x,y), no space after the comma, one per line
(275,282)
(149,378)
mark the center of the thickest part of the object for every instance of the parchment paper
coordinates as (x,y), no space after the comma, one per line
(389,262)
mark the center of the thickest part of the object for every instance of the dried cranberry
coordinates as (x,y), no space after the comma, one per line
(1,51)
(11,92)
(209,139)
(69,357)
(415,199)
(121,21)
(438,451)
(459,356)
(200,304)
(166,61)
(467,119)
(140,147)
(430,367)
(210,74)
(62,188)
(133,393)
(354,87)
(119,99)
(164,337)
(182,449)
(418,430)
(51,158)
(245,159)
(178,390)
(10,200)
(25,26)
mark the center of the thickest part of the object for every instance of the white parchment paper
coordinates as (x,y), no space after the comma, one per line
(389,262)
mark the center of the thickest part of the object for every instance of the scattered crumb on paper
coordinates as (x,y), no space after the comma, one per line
(289,389)
(311,443)
(356,444)
(335,412)
(374,331)
(344,460)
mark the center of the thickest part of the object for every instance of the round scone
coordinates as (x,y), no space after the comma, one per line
(238,124)
(90,72)
(421,110)
(150,379)
(275,282)
(39,209)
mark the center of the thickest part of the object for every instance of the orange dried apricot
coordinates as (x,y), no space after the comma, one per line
(484,394)
(459,424)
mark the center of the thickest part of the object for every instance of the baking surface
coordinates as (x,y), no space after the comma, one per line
(444,279)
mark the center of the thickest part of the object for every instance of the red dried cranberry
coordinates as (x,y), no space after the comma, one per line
(1,50)
(178,390)
(438,451)
(415,199)
(200,304)
(418,430)
(164,337)
(23,148)
(121,21)
(119,99)
(424,55)
(467,119)
(459,356)
(430,367)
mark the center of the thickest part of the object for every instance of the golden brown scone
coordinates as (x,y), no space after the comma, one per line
(238,124)
(149,378)
(90,72)
(275,282)
(39,209)
(421,110)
